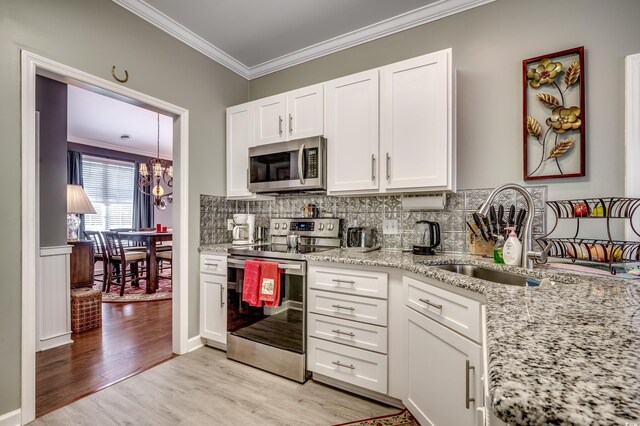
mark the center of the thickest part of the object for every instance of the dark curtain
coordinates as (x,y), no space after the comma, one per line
(74,177)
(142,205)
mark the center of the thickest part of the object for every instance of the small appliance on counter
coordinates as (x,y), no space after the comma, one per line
(244,229)
(427,237)
(361,236)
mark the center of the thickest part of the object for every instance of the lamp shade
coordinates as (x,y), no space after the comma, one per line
(77,201)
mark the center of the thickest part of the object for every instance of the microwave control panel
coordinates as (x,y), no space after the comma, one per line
(312,163)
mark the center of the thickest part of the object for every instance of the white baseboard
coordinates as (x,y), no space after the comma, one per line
(194,343)
(54,342)
(376,396)
(12,418)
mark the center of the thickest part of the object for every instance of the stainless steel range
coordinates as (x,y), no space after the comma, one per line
(273,338)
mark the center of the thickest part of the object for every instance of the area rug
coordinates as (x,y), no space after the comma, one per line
(136,294)
(403,418)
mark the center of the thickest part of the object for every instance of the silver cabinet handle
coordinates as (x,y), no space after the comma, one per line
(210,264)
(343,281)
(387,166)
(301,164)
(221,296)
(280,124)
(290,124)
(343,332)
(373,167)
(247,178)
(430,303)
(468,399)
(288,266)
(339,364)
(349,308)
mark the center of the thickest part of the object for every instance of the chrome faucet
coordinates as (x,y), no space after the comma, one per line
(528,255)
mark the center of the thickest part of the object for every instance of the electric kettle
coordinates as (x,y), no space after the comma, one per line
(427,237)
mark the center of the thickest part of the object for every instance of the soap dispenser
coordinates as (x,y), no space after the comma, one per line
(512,248)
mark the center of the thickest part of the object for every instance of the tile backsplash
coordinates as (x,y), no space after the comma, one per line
(369,211)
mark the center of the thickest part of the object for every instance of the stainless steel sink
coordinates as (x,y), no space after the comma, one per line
(485,274)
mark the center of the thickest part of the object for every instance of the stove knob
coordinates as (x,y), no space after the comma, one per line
(321,227)
(284,226)
(330,227)
(276,225)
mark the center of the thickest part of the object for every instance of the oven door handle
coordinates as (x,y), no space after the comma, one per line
(240,263)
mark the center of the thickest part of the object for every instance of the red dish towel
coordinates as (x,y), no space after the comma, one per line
(270,284)
(251,286)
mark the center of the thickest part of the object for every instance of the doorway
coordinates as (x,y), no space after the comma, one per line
(33,65)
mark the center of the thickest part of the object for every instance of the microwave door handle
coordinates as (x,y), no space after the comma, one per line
(301,164)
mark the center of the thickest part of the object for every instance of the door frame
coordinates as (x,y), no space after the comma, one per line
(632,133)
(32,65)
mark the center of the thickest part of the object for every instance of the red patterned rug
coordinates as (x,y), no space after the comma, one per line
(136,294)
(403,418)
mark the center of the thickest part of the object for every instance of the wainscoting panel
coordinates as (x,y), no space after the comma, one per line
(53,298)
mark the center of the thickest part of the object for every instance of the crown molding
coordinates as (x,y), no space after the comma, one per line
(414,18)
(113,147)
(188,37)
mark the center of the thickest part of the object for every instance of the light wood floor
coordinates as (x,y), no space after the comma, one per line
(204,388)
(134,337)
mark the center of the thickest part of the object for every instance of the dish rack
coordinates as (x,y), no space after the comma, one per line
(607,251)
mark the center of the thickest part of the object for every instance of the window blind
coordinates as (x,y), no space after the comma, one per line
(109,184)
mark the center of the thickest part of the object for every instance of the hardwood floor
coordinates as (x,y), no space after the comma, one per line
(133,338)
(205,388)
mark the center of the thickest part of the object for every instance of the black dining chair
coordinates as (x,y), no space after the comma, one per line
(99,255)
(119,260)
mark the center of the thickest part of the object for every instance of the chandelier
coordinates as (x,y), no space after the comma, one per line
(152,173)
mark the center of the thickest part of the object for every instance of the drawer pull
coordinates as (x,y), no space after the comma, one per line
(349,308)
(467,397)
(428,302)
(211,264)
(339,364)
(343,332)
(337,281)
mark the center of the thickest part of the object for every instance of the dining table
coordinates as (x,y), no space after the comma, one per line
(150,240)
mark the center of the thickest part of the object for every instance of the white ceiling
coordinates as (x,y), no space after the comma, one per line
(257,37)
(98,120)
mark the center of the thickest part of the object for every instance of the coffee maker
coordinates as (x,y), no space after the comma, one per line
(244,228)
(427,237)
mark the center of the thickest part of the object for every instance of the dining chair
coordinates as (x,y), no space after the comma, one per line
(99,254)
(130,245)
(165,256)
(119,257)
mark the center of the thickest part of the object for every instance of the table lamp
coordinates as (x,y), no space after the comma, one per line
(77,203)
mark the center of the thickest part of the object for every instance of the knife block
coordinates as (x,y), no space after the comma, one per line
(478,246)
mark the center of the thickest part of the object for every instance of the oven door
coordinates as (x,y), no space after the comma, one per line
(282,327)
(288,166)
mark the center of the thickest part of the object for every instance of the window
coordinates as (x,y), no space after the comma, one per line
(109,184)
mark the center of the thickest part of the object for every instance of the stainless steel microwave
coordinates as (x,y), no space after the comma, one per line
(298,165)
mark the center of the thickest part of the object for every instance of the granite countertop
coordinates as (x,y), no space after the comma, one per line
(563,354)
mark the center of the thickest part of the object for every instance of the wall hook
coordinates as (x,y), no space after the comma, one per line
(121,80)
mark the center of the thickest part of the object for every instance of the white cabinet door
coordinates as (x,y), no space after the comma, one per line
(213,307)
(443,373)
(305,115)
(416,124)
(240,136)
(270,119)
(351,112)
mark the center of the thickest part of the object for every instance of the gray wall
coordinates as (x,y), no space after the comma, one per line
(489,44)
(51,102)
(93,35)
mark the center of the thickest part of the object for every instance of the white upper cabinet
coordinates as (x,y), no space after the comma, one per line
(417,143)
(240,125)
(292,115)
(271,123)
(305,115)
(352,133)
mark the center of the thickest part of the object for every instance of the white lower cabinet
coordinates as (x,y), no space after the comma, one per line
(213,303)
(443,372)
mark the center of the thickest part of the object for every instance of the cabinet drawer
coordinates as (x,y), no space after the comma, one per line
(213,264)
(351,365)
(357,334)
(364,309)
(349,281)
(452,310)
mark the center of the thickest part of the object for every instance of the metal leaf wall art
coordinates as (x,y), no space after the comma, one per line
(554,96)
